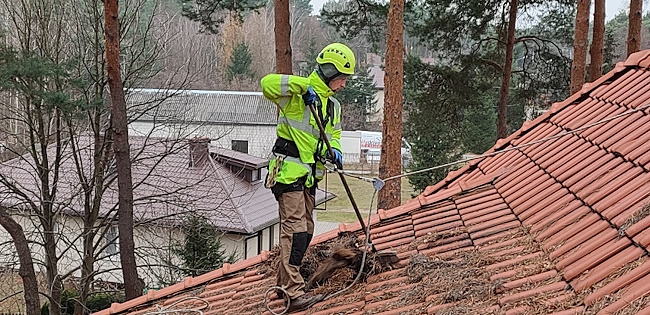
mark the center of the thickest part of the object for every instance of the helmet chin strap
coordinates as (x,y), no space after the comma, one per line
(327,72)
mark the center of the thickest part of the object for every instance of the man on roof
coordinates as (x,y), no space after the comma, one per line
(299,154)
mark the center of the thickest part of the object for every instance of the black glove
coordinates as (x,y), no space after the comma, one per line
(309,97)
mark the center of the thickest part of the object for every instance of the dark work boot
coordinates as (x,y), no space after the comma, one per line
(303,302)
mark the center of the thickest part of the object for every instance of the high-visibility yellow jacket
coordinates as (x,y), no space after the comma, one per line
(296,124)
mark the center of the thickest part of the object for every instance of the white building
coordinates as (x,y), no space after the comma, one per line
(240,121)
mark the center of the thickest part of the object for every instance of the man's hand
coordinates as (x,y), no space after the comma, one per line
(337,159)
(309,97)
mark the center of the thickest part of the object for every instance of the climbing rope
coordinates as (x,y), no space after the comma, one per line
(168,310)
(366,247)
(287,299)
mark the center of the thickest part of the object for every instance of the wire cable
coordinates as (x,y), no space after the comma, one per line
(555,137)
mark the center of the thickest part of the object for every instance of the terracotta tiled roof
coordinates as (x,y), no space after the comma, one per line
(559,220)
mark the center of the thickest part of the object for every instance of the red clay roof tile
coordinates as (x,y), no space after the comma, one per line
(598,233)
(635,202)
(553,224)
(621,97)
(590,221)
(593,122)
(621,83)
(607,268)
(544,207)
(636,290)
(626,279)
(571,206)
(591,259)
(557,286)
(636,58)
(528,280)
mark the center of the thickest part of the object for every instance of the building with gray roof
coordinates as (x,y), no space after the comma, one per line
(241,121)
(172,179)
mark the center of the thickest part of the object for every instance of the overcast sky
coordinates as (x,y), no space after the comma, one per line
(612,7)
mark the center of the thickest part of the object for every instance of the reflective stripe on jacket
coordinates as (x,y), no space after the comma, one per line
(297,124)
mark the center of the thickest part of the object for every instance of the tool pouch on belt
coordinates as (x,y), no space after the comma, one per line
(281,148)
(273,172)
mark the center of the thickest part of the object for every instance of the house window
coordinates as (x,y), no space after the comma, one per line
(255,175)
(111,240)
(240,146)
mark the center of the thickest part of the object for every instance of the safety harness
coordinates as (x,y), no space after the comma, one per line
(287,149)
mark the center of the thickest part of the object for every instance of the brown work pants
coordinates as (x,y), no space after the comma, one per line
(296,231)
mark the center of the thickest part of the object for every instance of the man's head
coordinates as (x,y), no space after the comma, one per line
(335,63)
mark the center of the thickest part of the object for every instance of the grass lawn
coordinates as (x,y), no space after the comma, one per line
(338,216)
(361,191)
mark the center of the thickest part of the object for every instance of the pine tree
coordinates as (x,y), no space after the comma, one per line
(310,57)
(202,250)
(598,41)
(634,27)
(210,12)
(435,114)
(240,63)
(391,142)
(609,50)
(358,100)
(580,46)
(479,127)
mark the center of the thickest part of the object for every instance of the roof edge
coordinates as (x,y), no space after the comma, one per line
(186,91)
(217,170)
(189,282)
(639,58)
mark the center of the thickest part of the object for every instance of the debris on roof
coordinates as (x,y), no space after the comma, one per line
(554,222)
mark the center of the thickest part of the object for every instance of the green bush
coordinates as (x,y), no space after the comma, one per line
(68,301)
(99,301)
(95,302)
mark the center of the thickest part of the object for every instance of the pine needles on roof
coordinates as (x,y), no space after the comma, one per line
(331,266)
(458,278)
(634,218)
(345,252)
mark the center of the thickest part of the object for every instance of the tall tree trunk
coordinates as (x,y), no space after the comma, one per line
(282,37)
(504,90)
(47,212)
(391,143)
(26,271)
(634,27)
(132,285)
(87,269)
(580,46)
(51,265)
(598,41)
